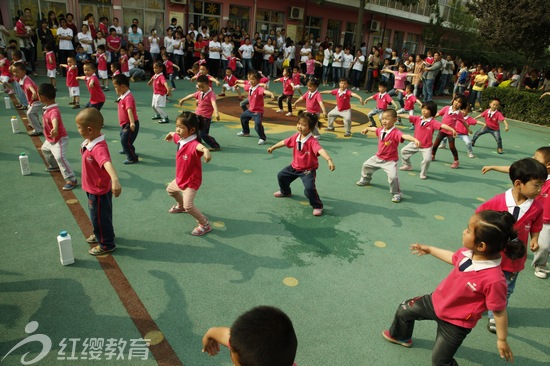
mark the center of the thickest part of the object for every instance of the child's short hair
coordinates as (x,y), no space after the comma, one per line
(47,90)
(91,65)
(545,152)
(121,79)
(494,99)
(462,99)
(254,74)
(48,47)
(19,66)
(90,117)
(311,119)
(124,48)
(112,29)
(203,79)
(287,69)
(17,54)
(71,58)
(383,84)
(496,230)
(229,69)
(431,106)
(346,80)
(391,112)
(314,82)
(190,120)
(264,336)
(160,65)
(410,87)
(527,169)
(101,47)
(203,54)
(116,65)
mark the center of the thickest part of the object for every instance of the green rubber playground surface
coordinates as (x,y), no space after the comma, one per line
(339,277)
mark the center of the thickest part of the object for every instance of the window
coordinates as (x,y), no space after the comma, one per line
(39,9)
(397,43)
(267,20)
(383,36)
(206,13)
(333,30)
(149,13)
(239,15)
(313,26)
(411,44)
(349,36)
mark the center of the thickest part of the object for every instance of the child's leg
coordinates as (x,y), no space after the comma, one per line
(245,118)
(481,131)
(48,155)
(468,142)
(188,198)
(308,178)
(127,138)
(541,256)
(258,126)
(172,80)
(175,192)
(496,135)
(205,133)
(101,215)
(33,116)
(390,168)
(409,311)
(244,105)
(426,161)
(289,102)
(452,147)
(58,151)
(369,167)
(406,152)
(285,178)
(280,101)
(440,136)
(346,115)
(331,117)
(160,102)
(371,115)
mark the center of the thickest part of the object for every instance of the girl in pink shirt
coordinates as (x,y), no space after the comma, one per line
(451,116)
(288,91)
(475,284)
(188,169)
(160,91)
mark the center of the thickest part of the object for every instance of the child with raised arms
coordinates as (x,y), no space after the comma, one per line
(409,99)
(51,63)
(463,130)
(102,71)
(343,106)
(314,102)
(188,169)
(304,163)
(288,91)
(97,97)
(230,83)
(160,91)
(31,93)
(475,284)
(452,116)
(127,118)
(383,99)
(387,156)
(493,118)
(424,128)
(206,108)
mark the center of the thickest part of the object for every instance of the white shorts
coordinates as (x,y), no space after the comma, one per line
(74,91)
(159,100)
(4,79)
(102,74)
(51,74)
(296,87)
(126,73)
(232,88)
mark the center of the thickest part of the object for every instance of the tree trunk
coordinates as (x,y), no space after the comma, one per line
(359,28)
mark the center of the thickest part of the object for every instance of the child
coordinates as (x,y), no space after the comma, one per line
(5,74)
(115,69)
(386,157)
(474,285)
(310,66)
(425,127)
(232,62)
(99,180)
(169,67)
(97,97)
(188,169)
(72,82)
(297,79)
(343,106)
(160,91)
(101,59)
(451,117)
(409,100)
(124,68)
(56,143)
(463,131)
(263,335)
(540,260)
(16,57)
(51,65)
(314,102)
(528,177)
(256,109)
(82,58)
(127,118)
(203,70)
(230,83)
(206,107)
(31,93)
(493,117)
(288,91)
(304,163)
(382,99)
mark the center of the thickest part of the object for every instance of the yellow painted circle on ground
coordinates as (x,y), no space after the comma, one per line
(304,203)
(481,199)
(290,281)
(72,201)
(218,224)
(380,244)
(154,336)
(439,217)
(355,153)
(247,171)
(447,164)
(412,174)
(115,141)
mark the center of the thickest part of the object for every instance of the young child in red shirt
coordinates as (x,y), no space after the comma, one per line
(99,180)
(304,163)
(97,97)
(409,99)
(5,74)
(169,66)
(230,83)
(389,138)
(30,89)
(188,170)
(72,82)
(463,130)
(475,284)
(124,68)
(492,117)
(343,106)
(452,116)
(160,91)
(314,103)
(288,91)
(127,118)
(57,140)
(51,64)
(102,71)
(297,79)
(383,99)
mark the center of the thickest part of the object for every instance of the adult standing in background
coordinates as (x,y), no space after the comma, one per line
(85,39)
(90,22)
(134,37)
(214,56)
(29,21)
(136,23)
(69,17)
(227,49)
(432,71)
(66,48)
(237,37)
(304,52)
(118,27)
(114,43)
(45,34)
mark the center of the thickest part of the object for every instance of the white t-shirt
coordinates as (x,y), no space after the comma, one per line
(291,52)
(359,62)
(214,54)
(169,44)
(154,44)
(337,59)
(118,29)
(269,49)
(88,37)
(246,50)
(347,59)
(327,54)
(227,48)
(178,42)
(303,54)
(63,43)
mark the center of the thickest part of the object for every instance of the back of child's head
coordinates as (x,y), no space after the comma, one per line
(410,88)
(313,82)
(191,121)
(496,230)
(121,79)
(19,66)
(544,152)
(383,84)
(203,79)
(16,54)
(90,117)
(527,169)
(431,106)
(47,91)
(48,47)
(116,65)
(264,336)
(311,119)
(101,48)
(462,99)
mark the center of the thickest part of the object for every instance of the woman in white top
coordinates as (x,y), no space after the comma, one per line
(304,52)
(357,69)
(409,65)
(280,41)
(246,51)
(337,58)
(269,52)
(227,49)
(85,39)
(214,48)
(327,58)
(179,46)
(347,59)
(154,47)
(169,43)
(290,52)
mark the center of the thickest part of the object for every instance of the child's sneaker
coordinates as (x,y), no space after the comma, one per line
(405,343)
(317,211)
(442,146)
(363,182)
(164,120)
(279,111)
(76,106)
(329,129)
(176,209)
(541,271)
(405,167)
(156,116)
(423,177)
(69,185)
(288,114)
(52,169)
(201,229)
(72,103)
(279,194)
(396,198)
(455,164)
(499,150)
(91,239)
(97,250)
(471,155)
(261,142)
(242,134)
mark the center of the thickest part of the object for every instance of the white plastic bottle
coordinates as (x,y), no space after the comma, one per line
(15,125)
(7,101)
(65,245)
(24,162)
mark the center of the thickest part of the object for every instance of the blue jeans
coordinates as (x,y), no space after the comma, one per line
(443,80)
(101,215)
(475,95)
(257,117)
(20,94)
(247,66)
(356,77)
(336,74)
(205,132)
(511,278)
(370,80)
(428,89)
(326,71)
(94,105)
(171,79)
(394,92)
(374,112)
(483,131)
(127,138)
(289,174)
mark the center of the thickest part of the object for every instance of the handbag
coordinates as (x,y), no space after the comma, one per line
(286,62)
(375,73)
(271,59)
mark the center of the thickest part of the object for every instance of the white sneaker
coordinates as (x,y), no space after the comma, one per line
(471,155)
(442,146)
(261,142)
(362,182)
(543,268)
(540,273)
(242,134)
(396,198)
(177,77)
(288,114)
(279,111)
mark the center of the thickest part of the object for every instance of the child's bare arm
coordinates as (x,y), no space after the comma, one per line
(326,92)
(368,129)
(130,112)
(412,139)
(544,94)
(185,98)
(170,136)
(34,93)
(168,89)
(419,103)
(55,124)
(278,145)
(322,105)
(176,67)
(216,113)
(269,94)
(449,128)
(442,254)
(150,82)
(506,127)
(214,80)
(213,338)
(403,115)
(298,101)
(326,156)
(501,322)
(206,153)
(395,105)
(115,184)
(355,95)
(534,243)
(496,168)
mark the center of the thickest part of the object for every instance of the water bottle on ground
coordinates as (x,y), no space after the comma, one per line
(24,162)
(15,125)
(65,245)
(8,102)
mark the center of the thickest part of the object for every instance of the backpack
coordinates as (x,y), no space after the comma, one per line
(463,77)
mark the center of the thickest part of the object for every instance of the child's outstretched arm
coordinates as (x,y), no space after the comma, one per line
(214,80)
(544,94)
(368,129)
(168,89)
(412,139)
(213,338)
(206,153)
(534,243)
(501,322)
(216,112)
(269,94)
(326,156)
(422,249)
(496,168)
(298,101)
(176,66)
(323,109)
(419,103)
(395,105)
(170,136)
(115,184)
(506,127)
(449,128)
(278,145)
(355,95)
(185,98)
(326,92)
(367,99)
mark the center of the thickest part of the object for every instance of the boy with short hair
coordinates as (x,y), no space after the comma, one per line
(263,336)
(31,93)
(17,58)
(99,180)
(387,156)
(409,100)
(127,118)
(97,97)
(101,59)
(382,99)
(528,177)
(57,140)
(493,117)
(72,82)
(343,106)
(230,81)
(51,65)
(124,68)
